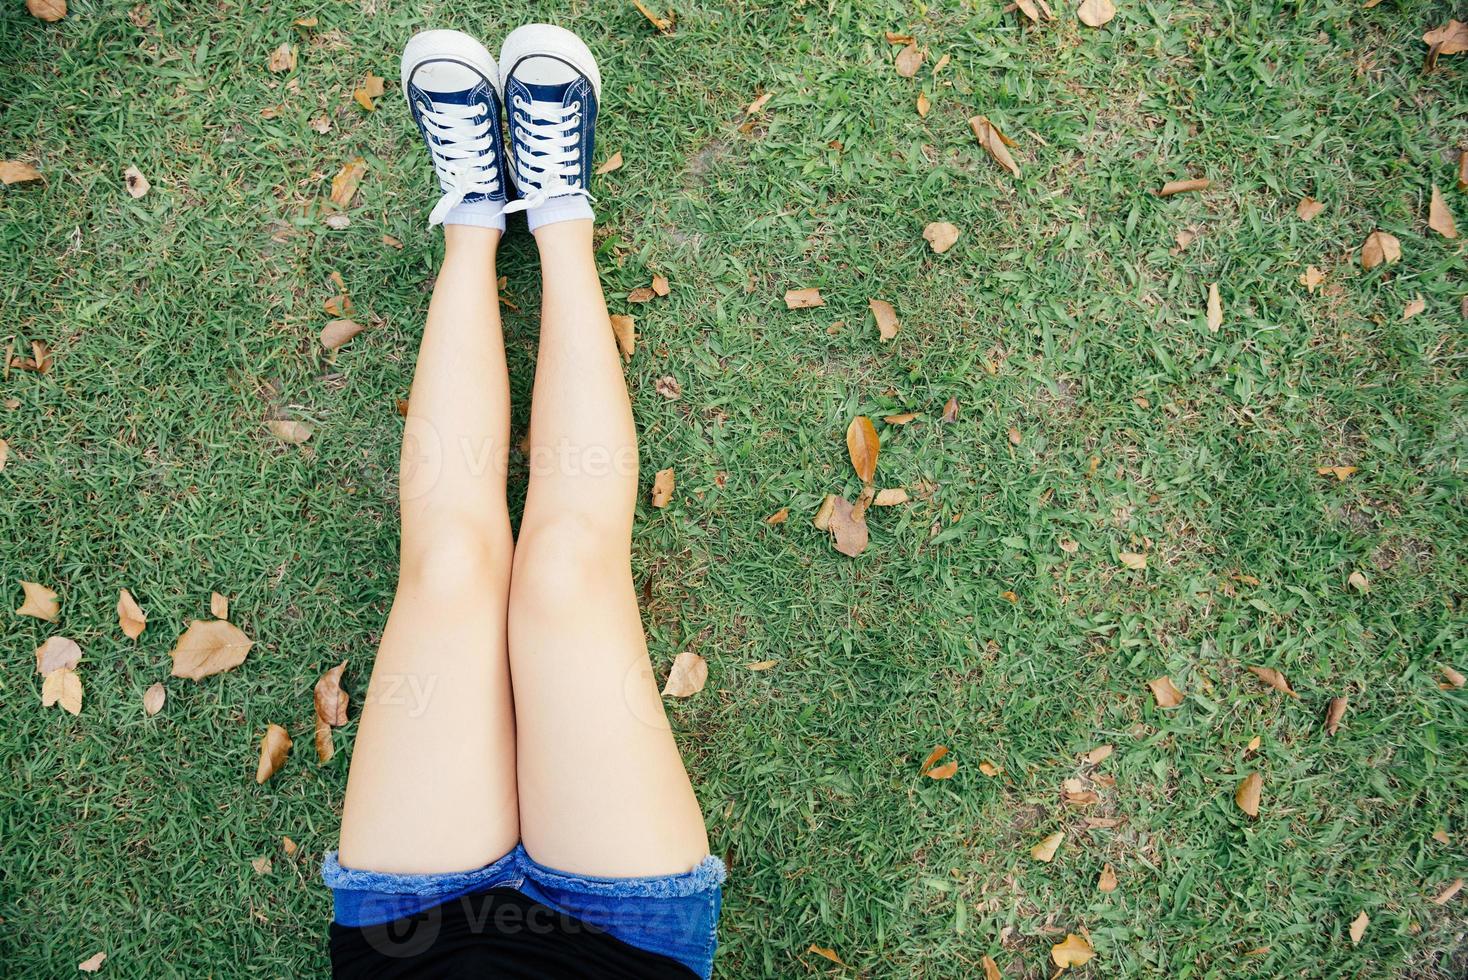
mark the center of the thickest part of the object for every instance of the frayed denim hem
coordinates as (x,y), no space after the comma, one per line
(708,873)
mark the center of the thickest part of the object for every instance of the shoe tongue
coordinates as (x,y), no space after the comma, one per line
(554,94)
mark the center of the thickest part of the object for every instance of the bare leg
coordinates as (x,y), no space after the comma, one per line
(602,787)
(432,784)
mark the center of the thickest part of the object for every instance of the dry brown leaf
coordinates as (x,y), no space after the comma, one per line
(1166,692)
(40,602)
(990,769)
(1008,596)
(338,332)
(800,299)
(847,524)
(822,520)
(209,647)
(1133,560)
(660,285)
(991,969)
(1253,745)
(50,11)
(1045,850)
(687,677)
(940,235)
(662,488)
(1358,927)
(344,184)
(1413,308)
(891,497)
(759,103)
(1184,238)
(370,89)
(1032,10)
(1246,796)
(1311,278)
(624,328)
(923,105)
(1439,218)
(1446,895)
(950,410)
(826,953)
(57,652)
(1075,951)
(886,317)
(4,454)
(274,747)
(762,664)
(1309,209)
(1215,308)
(1462,170)
(1069,545)
(1455,679)
(642,294)
(942,63)
(1099,754)
(863,445)
(1341,473)
(995,142)
(1015,436)
(305,21)
(290,431)
(663,24)
(1107,882)
(613,162)
(1359,581)
(1274,679)
(909,60)
(62,686)
(283,58)
(154,698)
(946,771)
(894,37)
(262,865)
(331,700)
(901,418)
(16,172)
(218,606)
(1334,713)
(1184,186)
(1095,13)
(137,185)
(92,963)
(322,125)
(289,846)
(130,615)
(1451,38)
(939,751)
(1380,247)
(778,517)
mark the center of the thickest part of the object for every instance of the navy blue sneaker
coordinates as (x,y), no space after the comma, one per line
(451,85)
(552,88)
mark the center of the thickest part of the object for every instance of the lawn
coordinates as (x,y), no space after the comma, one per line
(1096,409)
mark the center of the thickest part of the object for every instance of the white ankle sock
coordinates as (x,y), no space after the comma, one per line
(571,207)
(480,214)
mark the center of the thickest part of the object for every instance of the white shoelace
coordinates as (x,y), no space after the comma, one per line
(550,159)
(461,155)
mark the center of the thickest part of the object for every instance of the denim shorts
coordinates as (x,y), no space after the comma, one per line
(672,915)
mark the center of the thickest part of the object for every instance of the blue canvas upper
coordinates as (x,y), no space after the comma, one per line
(578,90)
(483,93)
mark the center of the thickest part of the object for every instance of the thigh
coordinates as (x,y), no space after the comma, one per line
(603,790)
(432,783)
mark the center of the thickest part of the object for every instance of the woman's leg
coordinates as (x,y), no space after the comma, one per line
(602,787)
(432,783)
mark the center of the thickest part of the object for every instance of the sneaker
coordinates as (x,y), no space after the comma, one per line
(552,89)
(451,85)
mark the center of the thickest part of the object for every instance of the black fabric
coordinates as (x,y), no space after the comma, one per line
(495,933)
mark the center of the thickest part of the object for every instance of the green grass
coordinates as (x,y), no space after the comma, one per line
(182,320)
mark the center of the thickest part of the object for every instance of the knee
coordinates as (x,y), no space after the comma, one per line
(565,557)
(468,558)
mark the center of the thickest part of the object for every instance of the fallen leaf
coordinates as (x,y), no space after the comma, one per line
(942,63)
(290,431)
(991,969)
(829,954)
(154,698)
(16,172)
(92,963)
(1446,895)
(940,235)
(1359,581)
(62,686)
(886,317)
(990,769)
(1184,186)
(338,332)
(893,37)
(262,865)
(218,606)
(370,89)
(1045,850)
(1107,882)
(1274,679)
(322,125)
(1215,308)
(1184,238)
(909,60)
(57,652)
(1166,693)
(902,418)
(663,24)
(1133,560)
(331,710)
(1033,10)
(1311,278)
(995,142)
(1309,209)
(392,242)
(689,674)
(950,410)
(923,108)
(863,446)
(662,488)
(1462,170)
(1069,545)
(939,751)
(1455,679)
(624,329)
(1380,247)
(660,285)
(945,771)
(1015,436)
(305,21)
(288,846)
(344,184)
(847,525)
(669,388)
(1341,473)
(1358,927)
(1254,743)
(1099,754)
(137,185)
(1247,794)
(1008,596)
(762,664)
(130,615)
(1439,218)
(1451,38)
(800,299)
(891,497)
(283,58)
(40,602)
(209,647)
(822,520)
(50,11)
(642,294)
(759,103)
(778,517)
(4,454)
(1095,13)
(1413,308)
(274,747)
(1334,714)
(1075,951)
